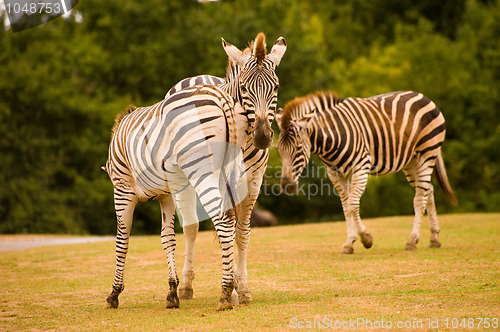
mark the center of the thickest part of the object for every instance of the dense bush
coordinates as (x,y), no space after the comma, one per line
(62,83)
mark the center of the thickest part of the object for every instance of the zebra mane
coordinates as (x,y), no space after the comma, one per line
(120,117)
(290,112)
(296,109)
(256,47)
(330,96)
(259,49)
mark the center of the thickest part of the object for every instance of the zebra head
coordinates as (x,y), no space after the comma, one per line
(258,85)
(294,144)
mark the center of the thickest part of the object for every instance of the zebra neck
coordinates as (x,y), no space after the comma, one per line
(321,139)
(232,84)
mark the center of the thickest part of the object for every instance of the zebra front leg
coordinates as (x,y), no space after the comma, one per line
(225,229)
(242,240)
(342,188)
(186,288)
(168,243)
(125,201)
(186,205)
(359,180)
(433,220)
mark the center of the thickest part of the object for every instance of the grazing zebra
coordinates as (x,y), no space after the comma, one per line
(355,137)
(185,146)
(255,159)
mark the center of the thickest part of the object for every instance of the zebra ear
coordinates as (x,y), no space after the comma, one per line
(278,116)
(239,57)
(278,51)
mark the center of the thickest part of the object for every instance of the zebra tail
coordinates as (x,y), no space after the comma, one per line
(443,180)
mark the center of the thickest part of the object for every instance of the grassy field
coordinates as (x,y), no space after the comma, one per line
(297,276)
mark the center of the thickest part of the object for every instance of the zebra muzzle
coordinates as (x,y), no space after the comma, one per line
(288,185)
(263,134)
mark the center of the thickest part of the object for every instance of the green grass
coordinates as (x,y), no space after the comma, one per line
(296,272)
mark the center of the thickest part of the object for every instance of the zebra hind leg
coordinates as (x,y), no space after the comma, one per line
(359,180)
(225,229)
(419,177)
(186,288)
(168,243)
(224,223)
(433,221)
(125,201)
(342,187)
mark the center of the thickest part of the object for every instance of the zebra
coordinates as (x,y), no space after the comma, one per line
(150,158)
(355,137)
(255,159)
(143,125)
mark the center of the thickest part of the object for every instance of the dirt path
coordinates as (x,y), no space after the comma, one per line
(21,242)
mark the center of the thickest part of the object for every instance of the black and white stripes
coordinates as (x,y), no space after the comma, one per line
(176,150)
(355,137)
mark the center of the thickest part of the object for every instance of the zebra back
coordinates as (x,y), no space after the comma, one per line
(148,138)
(388,129)
(195,80)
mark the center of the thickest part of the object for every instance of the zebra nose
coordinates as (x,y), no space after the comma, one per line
(263,134)
(288,186)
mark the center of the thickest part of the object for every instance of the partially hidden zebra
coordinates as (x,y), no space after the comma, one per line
(355,137)
(173,151)
(144,163)
(243,73)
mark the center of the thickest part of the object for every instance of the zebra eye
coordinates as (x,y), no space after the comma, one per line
(243,89)
(276,88)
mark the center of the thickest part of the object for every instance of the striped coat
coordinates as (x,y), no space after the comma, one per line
(355,137)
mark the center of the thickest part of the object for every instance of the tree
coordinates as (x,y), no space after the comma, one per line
(62,83)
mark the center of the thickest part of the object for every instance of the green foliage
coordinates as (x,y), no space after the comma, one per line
(62,83)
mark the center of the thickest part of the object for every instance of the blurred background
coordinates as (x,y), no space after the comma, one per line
(62,84)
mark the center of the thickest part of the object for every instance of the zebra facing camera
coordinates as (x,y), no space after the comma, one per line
(27,14)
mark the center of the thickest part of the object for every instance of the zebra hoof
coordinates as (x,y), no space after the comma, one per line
(245,298)
(111,303)
(348,250)
(225,299)
(366,239)
(186,293)
(172,305)
(434,244)
(410,246)
(112,300)
(172,301)
(224,304)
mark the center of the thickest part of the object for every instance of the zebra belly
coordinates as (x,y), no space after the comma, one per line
(388,167)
